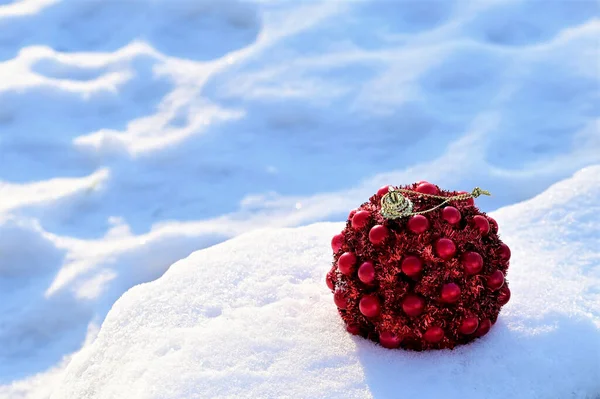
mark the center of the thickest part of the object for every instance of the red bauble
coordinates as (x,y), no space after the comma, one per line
(340,299)
(412,266)
(451,214)
(360,219)
(353,329)
(366,273)
(369,306)
(450,293)
(413,305)
(383,190)
(469,325)
(495,280)
(504,252)
(337,241)
(427,188)
(418,224)
(389,340)
(429,281)
(378,234)
(504,296)
(484,328)
(346,263)
(472,262)
(482,224)
(329,282)
(445,248)
(434,334)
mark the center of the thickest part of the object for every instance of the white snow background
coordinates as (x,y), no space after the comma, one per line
(133,133)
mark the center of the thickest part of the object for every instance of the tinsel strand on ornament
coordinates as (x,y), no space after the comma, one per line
(424,277)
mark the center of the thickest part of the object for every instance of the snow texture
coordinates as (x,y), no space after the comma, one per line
(133,133)
(252,318)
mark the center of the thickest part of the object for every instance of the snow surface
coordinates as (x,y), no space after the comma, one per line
(252,317)
(133,133)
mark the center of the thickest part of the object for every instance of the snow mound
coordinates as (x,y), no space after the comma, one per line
(252,317)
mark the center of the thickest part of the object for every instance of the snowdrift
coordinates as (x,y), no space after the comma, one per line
(252,317)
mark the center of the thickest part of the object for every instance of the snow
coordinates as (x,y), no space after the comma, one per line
(252,317)
(130,137)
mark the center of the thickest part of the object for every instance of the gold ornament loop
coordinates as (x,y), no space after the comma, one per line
(394,205)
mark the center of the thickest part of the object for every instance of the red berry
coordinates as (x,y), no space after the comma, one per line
(484,328)
(418,224)
(427,188)
(451,215)
(366,273)
(469,325)
(352,213)
(495,280)
(504,252)
(383,191)
(412,266)
(504,295)
(450,293)
(389,340)
(434,334)
(482,224)
(329,281)
(353,329)
(472,262)
(360,219)
(340,299)
(369,306)
(445,248)
(421,182)
(469,201)
(413,305)
(337,241)
(378,234)
(346,263)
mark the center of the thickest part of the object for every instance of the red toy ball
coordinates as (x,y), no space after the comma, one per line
(418,267)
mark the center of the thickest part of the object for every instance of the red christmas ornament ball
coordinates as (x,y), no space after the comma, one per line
(450,293)
(495,280)
(418,224)
(504,252)
(389,340)
(412,266)
(434,334)
(378,234)
(346,263)
(340,299)
(360,219)
(413,305)
(469,325)
(329,282)
(472,262)
(383,190)
(369,306)
(504,295)
(337,241)
(427,188)
(451,214)
(420,282)
(482,224)
(484,328)
(353,329)
(445,248)
(366,273)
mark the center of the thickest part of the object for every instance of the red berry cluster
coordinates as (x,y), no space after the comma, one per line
(427,281)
